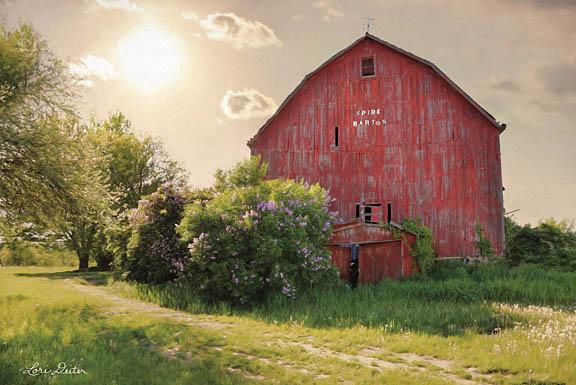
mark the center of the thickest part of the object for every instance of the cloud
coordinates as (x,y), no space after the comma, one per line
(559,78)
(91,67)
(505,85)
(116,5)
(241,33)
(555,87)
(547,4)
(190,16)
(331,8)
(246,104)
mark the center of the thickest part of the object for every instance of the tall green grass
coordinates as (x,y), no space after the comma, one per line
(453,299)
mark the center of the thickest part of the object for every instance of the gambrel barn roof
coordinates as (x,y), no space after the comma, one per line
(483,112)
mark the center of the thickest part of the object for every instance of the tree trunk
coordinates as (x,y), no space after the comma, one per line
(83,258)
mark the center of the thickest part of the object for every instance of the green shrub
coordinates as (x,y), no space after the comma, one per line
(22,253)
(483,244)
(155,253)
(423,248)
(260,238)
(550,244)
(118,234)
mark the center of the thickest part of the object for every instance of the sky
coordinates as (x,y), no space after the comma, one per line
(203,76)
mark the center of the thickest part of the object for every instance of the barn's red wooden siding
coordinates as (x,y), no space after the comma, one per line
(437,158)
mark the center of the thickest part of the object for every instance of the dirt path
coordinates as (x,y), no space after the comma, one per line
(123,305)
(369,357)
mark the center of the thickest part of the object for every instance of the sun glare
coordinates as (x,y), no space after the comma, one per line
(150,57)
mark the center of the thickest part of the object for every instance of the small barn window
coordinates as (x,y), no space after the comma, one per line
(389,212)
(336,137)
(367,64)
(372,213)
(368,214)
(357,211)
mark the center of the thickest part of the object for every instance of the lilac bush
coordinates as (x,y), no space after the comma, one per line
(155,253)
(253,241)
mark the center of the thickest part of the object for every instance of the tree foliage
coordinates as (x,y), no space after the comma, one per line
(552,244)
(59,173)
(244,174)
(36,153)
(133,166)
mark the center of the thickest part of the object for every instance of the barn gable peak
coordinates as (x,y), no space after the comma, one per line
(368,36)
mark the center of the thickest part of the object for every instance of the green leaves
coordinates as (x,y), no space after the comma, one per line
(551,244)
(36,172)
(422,249)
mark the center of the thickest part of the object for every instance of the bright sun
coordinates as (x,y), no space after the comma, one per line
(150,57)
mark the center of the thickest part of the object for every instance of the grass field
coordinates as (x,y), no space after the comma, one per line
(470,327)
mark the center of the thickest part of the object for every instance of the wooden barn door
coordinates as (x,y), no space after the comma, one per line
(379,261)
(341,259)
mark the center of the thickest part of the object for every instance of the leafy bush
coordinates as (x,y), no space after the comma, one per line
(423,249)
(250,172)
(23,253)
(118,233)
(483,244)
(551,244)
(265,237)
(155,253)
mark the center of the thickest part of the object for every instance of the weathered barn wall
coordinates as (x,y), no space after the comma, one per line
(433,155)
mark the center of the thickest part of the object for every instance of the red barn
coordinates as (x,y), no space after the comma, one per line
(392,137)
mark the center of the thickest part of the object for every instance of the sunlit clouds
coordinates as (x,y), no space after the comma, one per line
(115,5)
(231,28)
(90,68)
(331,9)
(246,104)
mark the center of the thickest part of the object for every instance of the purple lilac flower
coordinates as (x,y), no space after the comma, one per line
(288,290)
(266,206)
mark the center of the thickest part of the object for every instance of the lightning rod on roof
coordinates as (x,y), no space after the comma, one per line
(369,23)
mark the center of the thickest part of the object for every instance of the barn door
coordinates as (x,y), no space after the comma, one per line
(379,261)
(341,259)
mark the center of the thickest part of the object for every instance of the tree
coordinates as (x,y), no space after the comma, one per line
(56,172)
(35,94)
(244,174)
(91,201)
(552,244)
(133,167)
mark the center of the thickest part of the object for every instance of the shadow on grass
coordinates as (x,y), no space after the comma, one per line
(390,307)
(105,349)
(91,277)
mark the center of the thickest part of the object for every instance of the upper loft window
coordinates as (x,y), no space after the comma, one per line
(369,213)
(368,68)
